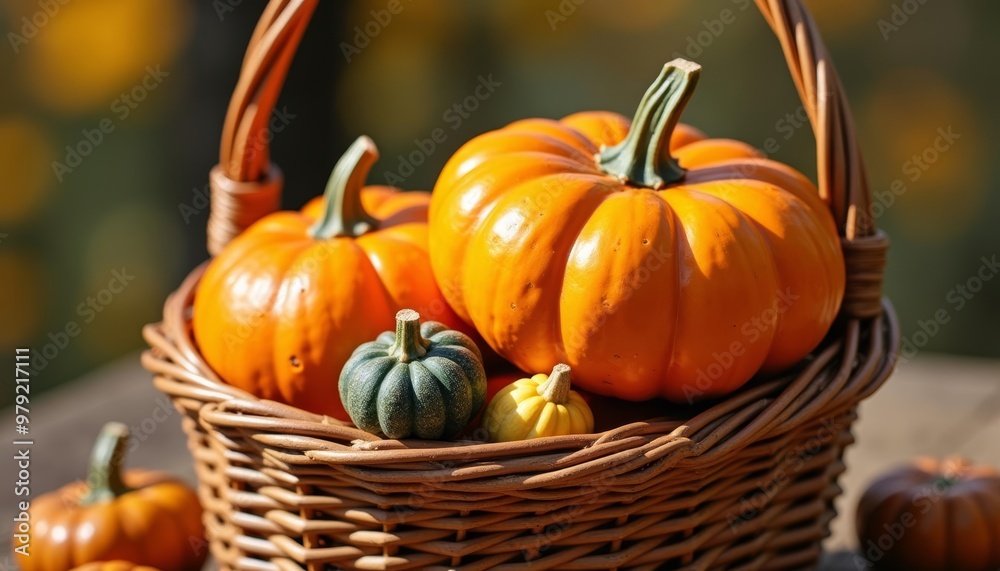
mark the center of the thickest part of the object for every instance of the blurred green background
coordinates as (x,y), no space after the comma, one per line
(156,75)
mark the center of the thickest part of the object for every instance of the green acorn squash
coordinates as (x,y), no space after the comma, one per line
(424,381)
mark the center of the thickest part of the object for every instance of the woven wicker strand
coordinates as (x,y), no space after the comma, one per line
(745,483)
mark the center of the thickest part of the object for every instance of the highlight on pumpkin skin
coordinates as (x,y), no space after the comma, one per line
(536,407)
(556,238)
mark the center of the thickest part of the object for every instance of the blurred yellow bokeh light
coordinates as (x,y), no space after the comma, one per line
(25,156)
(80,57)
(20,297)
(928,138)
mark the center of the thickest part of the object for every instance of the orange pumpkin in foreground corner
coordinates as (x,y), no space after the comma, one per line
(651,260)
(932,515)
(281,309)
(147,518)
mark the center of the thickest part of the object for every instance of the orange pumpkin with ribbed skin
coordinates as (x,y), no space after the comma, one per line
(281,309)
(932,514)
(147,518)
(653,261)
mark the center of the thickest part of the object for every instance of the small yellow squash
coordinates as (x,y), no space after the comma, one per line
(540,406)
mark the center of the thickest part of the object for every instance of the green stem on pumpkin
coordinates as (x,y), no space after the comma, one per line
(410,344)
(344,215)
(643,157)
(555,389)
(105,476)
(944,483)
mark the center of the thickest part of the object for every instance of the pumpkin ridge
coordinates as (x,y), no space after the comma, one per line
(742,249)
(566,150)
(264,374)
(395,401)
(784,177)
(363,395)
(368,249)
(287,380)
(609,121)
(466,359)
(422,382)
(534,404)
(366,257)
(679,238)
(580,211)
(547,127)
(456,400)
(769,247)
(483,149)
(484,210)
(815,244)
(447,340)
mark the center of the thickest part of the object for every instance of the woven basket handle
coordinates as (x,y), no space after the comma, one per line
(245,186)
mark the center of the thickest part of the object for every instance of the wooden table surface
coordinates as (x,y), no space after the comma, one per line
(934,405)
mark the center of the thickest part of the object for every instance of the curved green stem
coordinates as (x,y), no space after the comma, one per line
(105,476)
(344,215)
(410,344)
(556,388)
(643,157)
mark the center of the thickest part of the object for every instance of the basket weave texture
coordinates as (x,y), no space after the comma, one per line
(744,483)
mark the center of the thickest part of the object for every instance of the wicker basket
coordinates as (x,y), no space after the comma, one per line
(744,483)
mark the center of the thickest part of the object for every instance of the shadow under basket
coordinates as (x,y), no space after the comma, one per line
(747,482)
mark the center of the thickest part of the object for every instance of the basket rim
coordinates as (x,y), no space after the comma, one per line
(848,367)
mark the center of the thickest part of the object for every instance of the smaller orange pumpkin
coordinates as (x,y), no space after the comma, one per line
(118,565)
(280,310)
(932,515)
(144,517)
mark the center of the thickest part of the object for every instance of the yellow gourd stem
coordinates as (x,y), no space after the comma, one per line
(556,388)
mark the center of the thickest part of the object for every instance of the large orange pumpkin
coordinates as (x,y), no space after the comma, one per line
(650,259)
(280,310)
